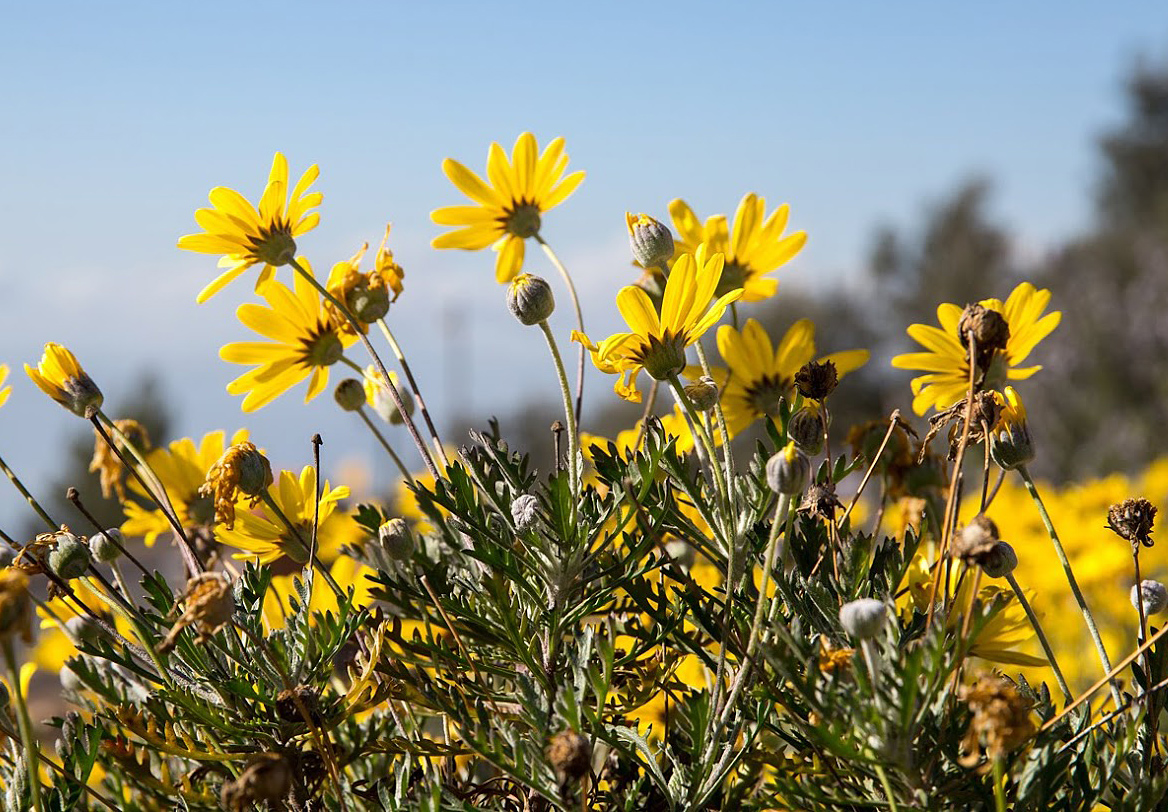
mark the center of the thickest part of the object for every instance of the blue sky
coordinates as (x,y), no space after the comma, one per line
(120,117)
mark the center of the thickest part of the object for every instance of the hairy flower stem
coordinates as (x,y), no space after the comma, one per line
(721,418)
(394,395)
(1071,580)
(15,480)
(569,416)
(186,548)
(551,255)
(405,472)
(1042,639)
(887,788)
(650,402)
(31,748)
(703,436)
(414,390)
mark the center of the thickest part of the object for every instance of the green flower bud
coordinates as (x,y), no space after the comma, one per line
(1154,595)
(70,557)
(396,539)
(788,471)
(367,302)
(863,618)
(350,395)
(1010,444)
(530,299)
(805,430)
(703,394)
(1000,561)
(82,628)
(105,545)
(525,512)
(650,241)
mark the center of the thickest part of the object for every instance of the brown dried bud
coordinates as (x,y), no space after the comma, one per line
(268,777)
(290,701)
(820,502)
(988,328)
(209,605)
(570,755)
(816,380)
(1001,719)
(976,540)
(1132,519)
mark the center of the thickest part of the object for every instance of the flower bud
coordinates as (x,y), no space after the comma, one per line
(1010,443)
(816,380)
(377,395)
(396,539)
(70,557)
(650,241)
(703,393)
(525,512)
(82,628)
(60,377)
(268,777)
(530,299)
(105,545)
(863,618)
(368,301)
(570,755)
(682,552)
(1133,519)
(1000,561)
(975,540)
(1154,595)
(788,471)
(350,395)
(805,430)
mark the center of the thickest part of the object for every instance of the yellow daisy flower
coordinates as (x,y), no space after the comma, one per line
(182,468)
(760,373)
(506,212)
(5,391)
(245,236)
(657,343)
(306,341)
(946,359)
(60,377)
(755,247)
(265,536)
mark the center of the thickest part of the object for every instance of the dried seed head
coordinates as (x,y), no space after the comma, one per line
(105,545)
(1001,719)
(816,380)
(15,605)
(396,539)
(241,469)
(525,512)
(1000,561)
(208,606)
(570,755)
(703,393)
(820,502)
(788,470)
(350,395)
(307,697)
(650,241)
(988,328)
(69,557)
(976,539)
(530,299)
(268,777)
(805,429)
(1132,519)
(1154,596)
(863,618)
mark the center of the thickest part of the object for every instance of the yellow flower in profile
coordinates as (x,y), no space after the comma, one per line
(247,236)
(760,373)
(265,536)
(946,357)
(657,343)
(305,341)
(182,468)
(753,248)
(60,377)
(5,391)
(507,211)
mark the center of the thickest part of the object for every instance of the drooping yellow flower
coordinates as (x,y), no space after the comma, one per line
(182,468)
(657,343)
(760,373)
(245,236)
(5,391)
(755,247)
(265,536)
(305,340)
(946,357)
(507,211)
(60,377)
(366,295)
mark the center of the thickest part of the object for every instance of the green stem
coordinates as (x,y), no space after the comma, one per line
(703,437)
(728,454)
(394,395)
(15,480)
(385,444)
(31,749)
(1071,580)
(650,402)
(1038,631)
(551,255)
(569,415)
(999,785)
(887,788)
(414,389)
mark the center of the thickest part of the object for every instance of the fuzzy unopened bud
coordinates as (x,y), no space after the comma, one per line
(570,755)
(1000,561)
(703,393)
(788,471)
(350,395)
(649,239)
(1154,596)
(530,299)
(1010,443)
(805,430)
(396,539)
(106,545)
(70,557)
(863,618)
(525,512)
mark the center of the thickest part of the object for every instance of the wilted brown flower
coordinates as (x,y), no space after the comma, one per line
(1001,719)
(208,606)
(105,462)
(268,777)
(1132,519)
(976,540)
(988,328)
(816,379)
(241,469)
(820,502)
(570,755)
